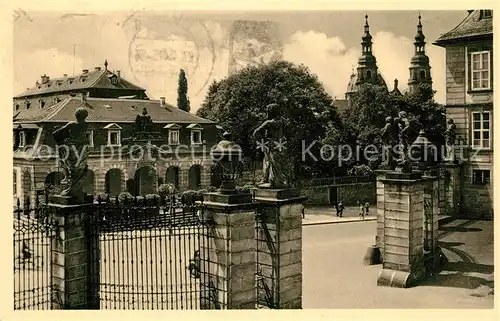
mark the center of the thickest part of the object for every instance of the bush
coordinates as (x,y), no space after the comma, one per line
(166,189)
(189,197)
(101,197)
(125,197)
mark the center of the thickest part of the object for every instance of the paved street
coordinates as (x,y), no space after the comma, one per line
(335,277)
(324,214)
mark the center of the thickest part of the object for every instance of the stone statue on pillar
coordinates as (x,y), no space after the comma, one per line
(403,164)
(72,143)
(270,139)
(390,136)
(450,136)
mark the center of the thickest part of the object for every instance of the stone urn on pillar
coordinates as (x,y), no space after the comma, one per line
(228,167)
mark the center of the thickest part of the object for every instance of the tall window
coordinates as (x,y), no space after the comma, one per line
(480,70)
(481,136)
(480,177)
(15,182)
(22,139)
(173,137)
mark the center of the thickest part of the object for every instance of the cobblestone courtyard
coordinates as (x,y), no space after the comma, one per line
(335,277)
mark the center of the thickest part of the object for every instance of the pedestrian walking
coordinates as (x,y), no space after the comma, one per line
(367,208)
(340,209)
(303,211)
(361,211)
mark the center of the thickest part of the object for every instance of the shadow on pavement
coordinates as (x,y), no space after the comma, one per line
(458,280)
(460,229)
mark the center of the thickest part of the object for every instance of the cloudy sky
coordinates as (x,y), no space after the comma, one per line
(327,42)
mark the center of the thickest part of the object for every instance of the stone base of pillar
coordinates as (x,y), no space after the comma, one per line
(400,279)
(282,208)
(372,256)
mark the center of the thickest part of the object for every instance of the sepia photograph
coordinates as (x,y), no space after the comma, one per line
(228,160)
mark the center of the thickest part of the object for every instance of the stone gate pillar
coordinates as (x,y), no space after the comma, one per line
(228,254)
(279,247)
(75,250)
(403,245)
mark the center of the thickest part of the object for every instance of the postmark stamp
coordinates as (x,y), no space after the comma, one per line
(252,43)
(162,45)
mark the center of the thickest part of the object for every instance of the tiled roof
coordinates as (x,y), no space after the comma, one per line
(110,110)
(97,78)
(475,24)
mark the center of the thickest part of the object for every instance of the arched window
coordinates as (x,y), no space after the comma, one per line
(422,74)
(369,74)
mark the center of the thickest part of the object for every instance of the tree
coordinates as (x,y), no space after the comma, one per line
(238,103)
(182,89)
(371,104)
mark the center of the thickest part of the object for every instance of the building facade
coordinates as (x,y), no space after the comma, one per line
(469,102)
(135,143)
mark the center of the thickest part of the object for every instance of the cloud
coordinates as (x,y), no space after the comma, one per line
(332,62)
(328,58)
(33,64)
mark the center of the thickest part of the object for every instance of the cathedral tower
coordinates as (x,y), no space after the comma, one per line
(367,71)
(420,70)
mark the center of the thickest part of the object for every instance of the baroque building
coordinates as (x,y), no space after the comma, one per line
(469,103)
(135,143)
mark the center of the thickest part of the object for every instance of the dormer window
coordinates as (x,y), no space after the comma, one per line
(173,134)
(114,134)
(196,138)
(28,105)
(113,79)
(42,103)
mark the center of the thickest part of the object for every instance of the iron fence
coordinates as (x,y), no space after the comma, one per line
(34,230)
(332,181)
(153,254)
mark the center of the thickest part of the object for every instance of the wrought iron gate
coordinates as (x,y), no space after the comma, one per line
(151,253)
(267,227)
(34,231)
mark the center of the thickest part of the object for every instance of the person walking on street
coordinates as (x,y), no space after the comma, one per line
(340,209)
(361,210)
(303,211)
(367,207)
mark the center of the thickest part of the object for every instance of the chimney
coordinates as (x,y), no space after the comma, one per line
(84,71)
(65,75)
(162,101)
(395,84)
(118,74)
(44,78)
(97,68)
